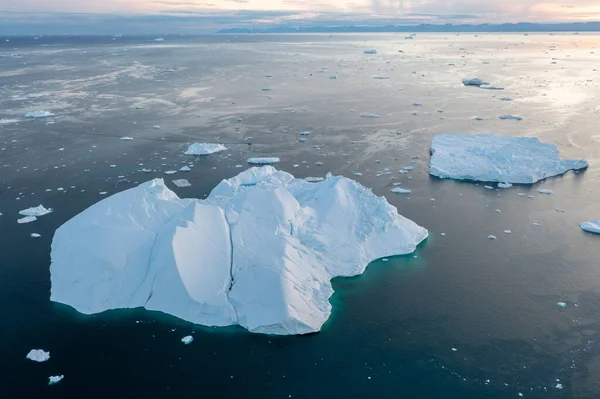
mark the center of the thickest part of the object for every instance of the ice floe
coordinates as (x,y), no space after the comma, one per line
(502,159)
(204,149)
(260,251)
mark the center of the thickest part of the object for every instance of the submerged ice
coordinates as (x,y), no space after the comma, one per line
(260,251)
(502,159)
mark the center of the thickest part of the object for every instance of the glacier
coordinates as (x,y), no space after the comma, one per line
(260,251)
(500,159)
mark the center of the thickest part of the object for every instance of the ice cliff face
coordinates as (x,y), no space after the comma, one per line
(260,251)
(490,158)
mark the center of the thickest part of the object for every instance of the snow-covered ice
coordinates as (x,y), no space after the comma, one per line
(38,355)
(205,149)
(490,158)
(260,251)
(182,183)
(591,227)
(36,211)
(55,379)
(38,114)
(263,161)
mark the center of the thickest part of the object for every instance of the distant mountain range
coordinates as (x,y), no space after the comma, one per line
(482,28)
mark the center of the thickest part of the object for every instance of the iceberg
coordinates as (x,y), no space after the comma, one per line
(500,159)
(36,211)
(188,339)
(27,219)
(38,114)
(181,183)
(259,252)
(591,227)
(38,355)
(204,149)
(263,161)
(55,379)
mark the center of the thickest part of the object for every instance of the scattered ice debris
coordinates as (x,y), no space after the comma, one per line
(314,179)
(561,304)
(188,252)
(504,185)
(126,138)
(367,115)
(170,172)
(37,211)
(263,161)
(513,117)
(545,191)
(490,158)
(182,183)
(38,355)
(204,149)
(398,190)
(38,114)
(188,339)
(492,237)
(370,52)
(185,169)
(474,82)
(591,227)
(35,235)
(55,379)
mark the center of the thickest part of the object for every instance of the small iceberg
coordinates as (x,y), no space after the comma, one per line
(38,355)
(398,190)
(368,115)
(545,191)
(55,379)
(260,251)
(37,211)
(370,52)
(27,219)
(35,235)
(263,161)
(511,117)
(204,149)
(126,138)
(474,82)
(38,114)
(187,339)
(182,183)
(500,159)
(591,227)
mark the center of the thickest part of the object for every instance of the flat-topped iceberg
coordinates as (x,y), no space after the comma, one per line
(204,149)
(502,159)
(260,251)
(591,227)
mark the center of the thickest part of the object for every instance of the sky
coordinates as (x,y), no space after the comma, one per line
(215,14)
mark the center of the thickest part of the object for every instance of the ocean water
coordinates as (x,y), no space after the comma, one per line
(464,317)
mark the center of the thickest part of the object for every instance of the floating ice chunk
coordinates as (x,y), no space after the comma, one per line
(170,172)
(304,133)
(490,158)
(399,190)
(182,183)
(35,235)
(38,114)
(204,149)
(454,350)
(38,355)
(370,52)
(492,237)
(513,117)
(8,121)
(185,169)
(263,161)
(558,386)
(55,379)
(188,339)
(156,127)
(357,173)
(367,115)
(37,211)
(504,185)
(507,231)
(561,304)
(381,77)
(591,227)
(488,187)
(545,191)
(479,118)
(159,39)
(505,99)
(126,138)
(474,82)
(260,251)
(314,179)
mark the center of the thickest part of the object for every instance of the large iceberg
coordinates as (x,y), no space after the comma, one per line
(502,159)
(260,251)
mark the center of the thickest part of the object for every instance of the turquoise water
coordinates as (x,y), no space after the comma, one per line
(463,317)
